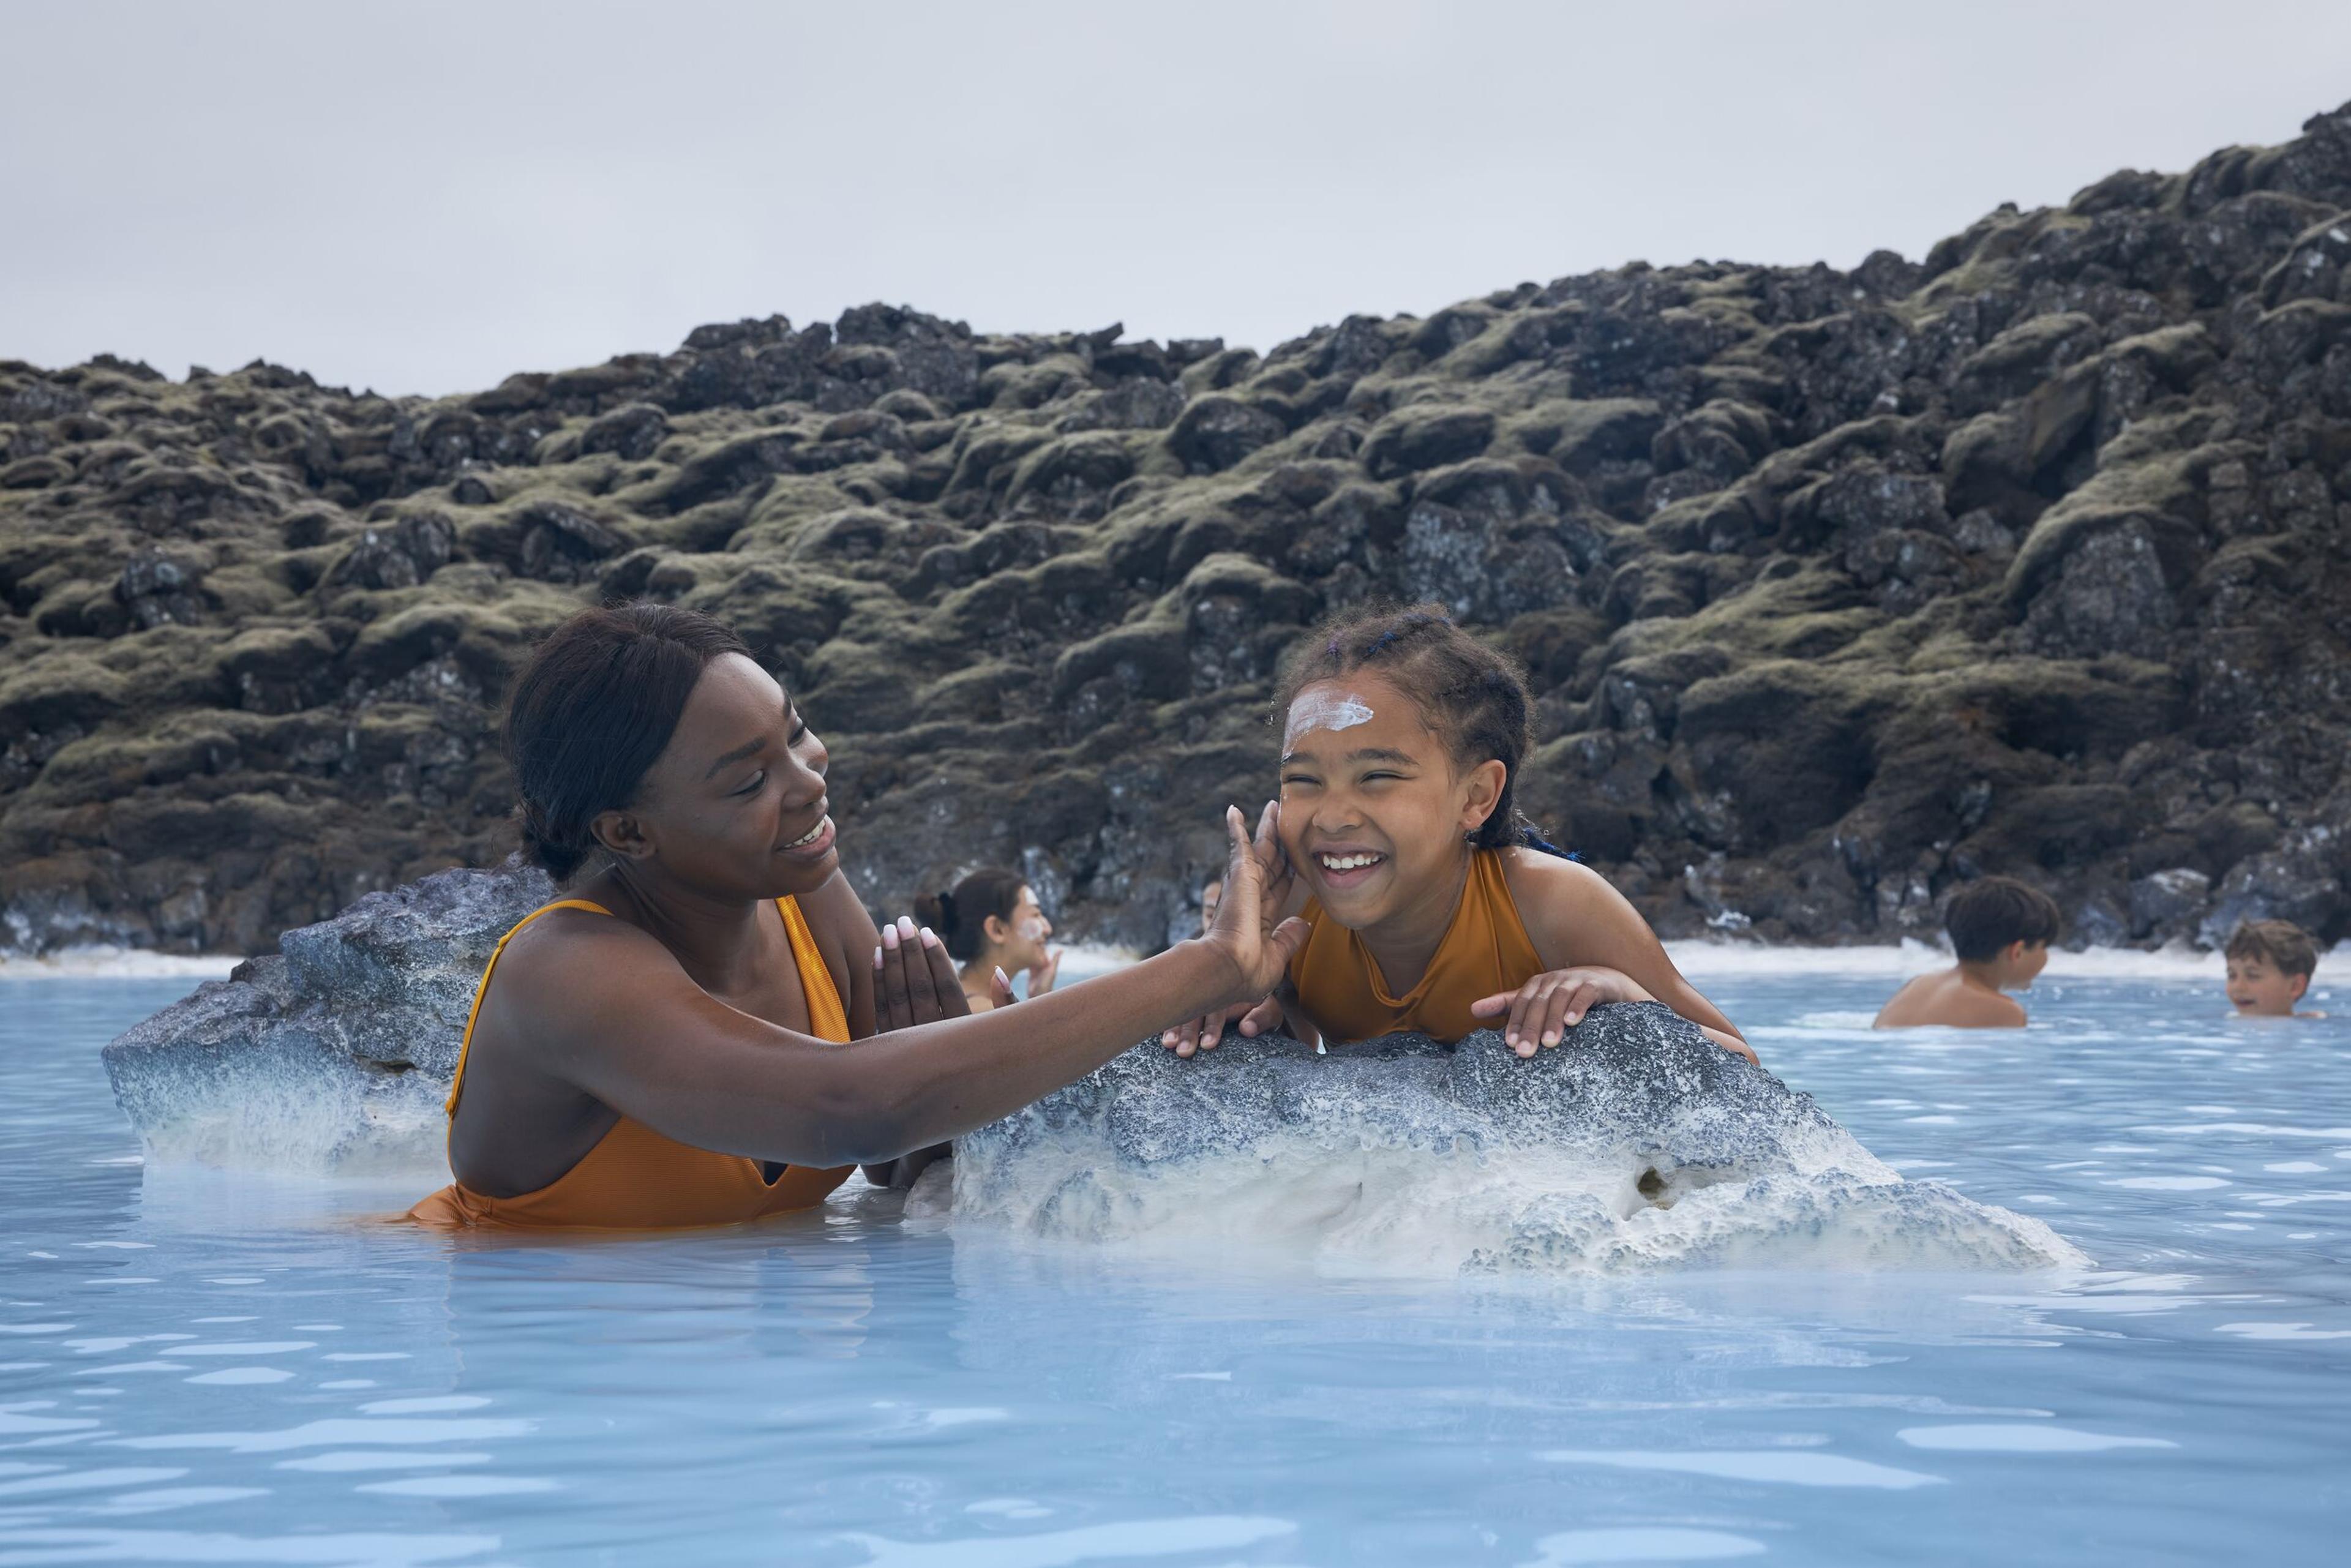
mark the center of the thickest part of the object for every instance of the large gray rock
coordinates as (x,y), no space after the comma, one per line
(335,1052)
(1638,1143)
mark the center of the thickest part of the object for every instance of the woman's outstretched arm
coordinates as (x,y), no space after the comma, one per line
(719,1079)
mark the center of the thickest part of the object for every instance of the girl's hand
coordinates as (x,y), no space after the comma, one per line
(1040,976)
(1545,1008)
(1245,934)
(1202,1034)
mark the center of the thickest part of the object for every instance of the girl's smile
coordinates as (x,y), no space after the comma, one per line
(1373,812)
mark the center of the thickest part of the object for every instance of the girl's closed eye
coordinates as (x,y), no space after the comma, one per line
(751,786)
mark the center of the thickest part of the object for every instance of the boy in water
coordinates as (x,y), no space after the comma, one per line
(2269,965)
(2000,931)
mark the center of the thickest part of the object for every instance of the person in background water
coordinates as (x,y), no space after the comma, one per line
(1210,896)
(2000,931)
(1431,903)
(992,927)
(2270,963)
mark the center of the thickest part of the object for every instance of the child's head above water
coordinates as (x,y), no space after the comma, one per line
(1402,736)
(2001,923)
(2269,965)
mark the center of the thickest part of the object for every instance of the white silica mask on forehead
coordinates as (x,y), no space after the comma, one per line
(1321,710)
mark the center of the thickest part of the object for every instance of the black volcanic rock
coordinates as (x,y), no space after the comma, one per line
(1637,1142)
(337,1050)
(1838,587)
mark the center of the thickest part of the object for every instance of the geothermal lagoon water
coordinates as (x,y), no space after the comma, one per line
(206,1366)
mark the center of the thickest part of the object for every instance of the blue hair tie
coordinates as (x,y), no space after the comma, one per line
(1535,841)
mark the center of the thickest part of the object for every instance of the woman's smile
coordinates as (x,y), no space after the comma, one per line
(814,844)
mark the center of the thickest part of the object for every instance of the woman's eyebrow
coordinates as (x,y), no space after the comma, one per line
(748,748)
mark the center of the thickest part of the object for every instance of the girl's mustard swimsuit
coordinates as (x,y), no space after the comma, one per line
(1485,950)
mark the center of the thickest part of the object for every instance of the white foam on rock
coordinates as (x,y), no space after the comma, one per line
(1421,1167)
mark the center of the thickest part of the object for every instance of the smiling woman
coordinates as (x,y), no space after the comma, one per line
(696,1035)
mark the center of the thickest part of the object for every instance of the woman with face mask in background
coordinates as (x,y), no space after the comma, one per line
(992,927)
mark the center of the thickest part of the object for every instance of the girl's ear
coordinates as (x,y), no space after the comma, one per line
(622,833)
(1485,783)
(997,933)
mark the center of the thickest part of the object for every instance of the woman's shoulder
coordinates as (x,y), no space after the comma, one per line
(558,941)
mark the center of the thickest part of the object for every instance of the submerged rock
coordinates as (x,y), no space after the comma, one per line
(1638,1142)
(337,1050)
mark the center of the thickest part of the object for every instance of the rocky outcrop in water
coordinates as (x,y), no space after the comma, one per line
(337,1050)
(1637,1142)
(1838,587)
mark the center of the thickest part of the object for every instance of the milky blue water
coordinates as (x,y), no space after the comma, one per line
(200,1367)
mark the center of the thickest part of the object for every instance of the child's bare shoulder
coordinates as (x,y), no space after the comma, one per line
(1560,899)
(1945,1000)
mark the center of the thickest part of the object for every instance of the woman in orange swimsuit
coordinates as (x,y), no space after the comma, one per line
(708,1028)
(1434,906)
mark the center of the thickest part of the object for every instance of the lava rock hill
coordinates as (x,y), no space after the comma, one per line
(1836,587)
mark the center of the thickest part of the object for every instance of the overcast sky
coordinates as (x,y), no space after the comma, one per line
(423,197)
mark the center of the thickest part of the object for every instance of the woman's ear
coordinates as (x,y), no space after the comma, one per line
(622,832)
(1484,784)
(997,933)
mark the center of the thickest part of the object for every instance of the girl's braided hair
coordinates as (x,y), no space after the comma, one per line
(1472,696)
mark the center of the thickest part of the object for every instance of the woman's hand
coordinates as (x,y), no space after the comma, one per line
(1248,933)
(1545,1008)
(1040,976)
(915,980)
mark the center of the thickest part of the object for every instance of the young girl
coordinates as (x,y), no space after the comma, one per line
(991,922)
(1434,906)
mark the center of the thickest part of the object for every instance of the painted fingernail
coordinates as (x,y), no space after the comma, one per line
(889,938)
(929,940)
(877,957)
(906,926)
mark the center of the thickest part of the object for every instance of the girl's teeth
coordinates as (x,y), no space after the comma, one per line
(1348,863)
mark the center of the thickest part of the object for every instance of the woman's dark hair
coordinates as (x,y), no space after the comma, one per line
(1472,697)
(1987,914)
(592,710)
(960,916)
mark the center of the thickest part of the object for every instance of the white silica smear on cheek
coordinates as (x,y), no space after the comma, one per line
(1032,928)
(1320,710)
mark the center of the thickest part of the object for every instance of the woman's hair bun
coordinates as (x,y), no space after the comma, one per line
(960,915)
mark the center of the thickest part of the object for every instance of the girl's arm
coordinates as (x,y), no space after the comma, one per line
(1579,921)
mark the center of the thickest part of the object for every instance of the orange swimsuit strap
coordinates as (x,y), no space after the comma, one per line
(634,1178)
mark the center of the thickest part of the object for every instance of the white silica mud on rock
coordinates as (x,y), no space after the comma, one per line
(1638,1143)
